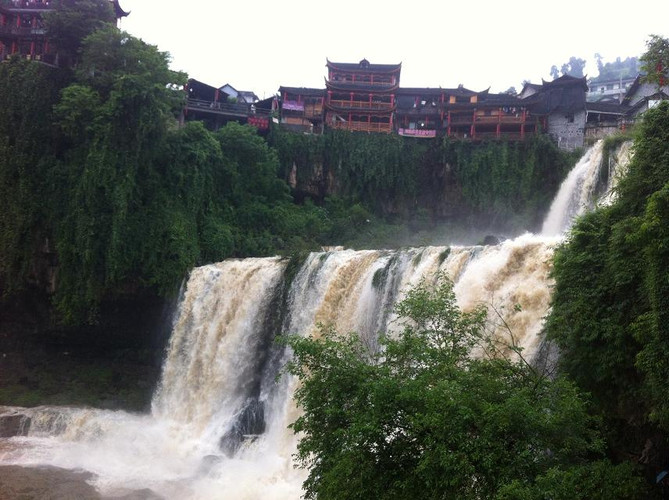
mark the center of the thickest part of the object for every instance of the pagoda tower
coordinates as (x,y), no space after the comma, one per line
(22,29)
(361,97)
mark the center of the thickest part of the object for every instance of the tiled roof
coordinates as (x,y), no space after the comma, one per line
(364,65)
(303,91)
(353,87)
(605,107)
(566,80)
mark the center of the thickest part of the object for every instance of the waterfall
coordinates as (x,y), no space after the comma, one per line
(575,196)
(218,427)
(616,170)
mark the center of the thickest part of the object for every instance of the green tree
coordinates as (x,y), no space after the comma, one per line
(98,175)
(423,416)
(574,67)
(112,123)
(27,94)
(619,68)
(655,61)
(610,301)
(554,72)
(71,21)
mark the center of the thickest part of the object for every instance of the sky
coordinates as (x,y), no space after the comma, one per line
(260,45)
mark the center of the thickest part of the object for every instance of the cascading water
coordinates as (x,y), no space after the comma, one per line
(575,195)
(219,421)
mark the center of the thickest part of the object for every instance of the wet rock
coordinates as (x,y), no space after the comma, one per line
(54,483)
(13,424)
(48,483)
(250,423)
(490,240)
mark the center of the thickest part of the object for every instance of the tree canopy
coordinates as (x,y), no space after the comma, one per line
(610,301)
(99,173)
(620,68)
(656,61)
(72,21)
(425,417)
(574,67)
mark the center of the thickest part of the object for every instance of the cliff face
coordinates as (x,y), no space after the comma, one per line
(113,363)
(448,180)
(440,195)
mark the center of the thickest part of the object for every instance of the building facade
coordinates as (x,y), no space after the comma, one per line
(302,109)
(217,106)
(361,97)
(367,97)
(23,33)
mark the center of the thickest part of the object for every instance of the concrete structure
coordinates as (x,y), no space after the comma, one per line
(613,90)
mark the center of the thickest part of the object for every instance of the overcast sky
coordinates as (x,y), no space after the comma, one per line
(260,45)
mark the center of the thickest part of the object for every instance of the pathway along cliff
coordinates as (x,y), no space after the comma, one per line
(218,424)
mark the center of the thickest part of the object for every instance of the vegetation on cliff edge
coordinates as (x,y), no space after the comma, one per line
(611,301)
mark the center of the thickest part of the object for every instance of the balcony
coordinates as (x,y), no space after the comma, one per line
(25,5)
(308,110)
(461,120)
(514,136)
(361,105)
(349,81)
(225,108)
(419,111)
(313,110)
(22,32)
(499,119)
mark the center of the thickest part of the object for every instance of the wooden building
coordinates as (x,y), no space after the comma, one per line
(562,104)
(419,111)
(361,97)
(602,118)
(22,30)
(302,109)
(216,107)
(462,113)
(367,97)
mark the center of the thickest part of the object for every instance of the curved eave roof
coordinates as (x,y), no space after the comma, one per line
(501,100)
(356,87)
(118,10)
(604,107)
(632,90)
(420,91)
(459,91)
(357,68)
(305,91)
(566,80)
(359,111)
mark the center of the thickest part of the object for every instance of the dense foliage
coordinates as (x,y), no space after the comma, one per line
(26,162)
(72,21)
(620,68)
(506,184)
(655,61)
(425,418)
(103,186)
(611,300)
(95,170)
